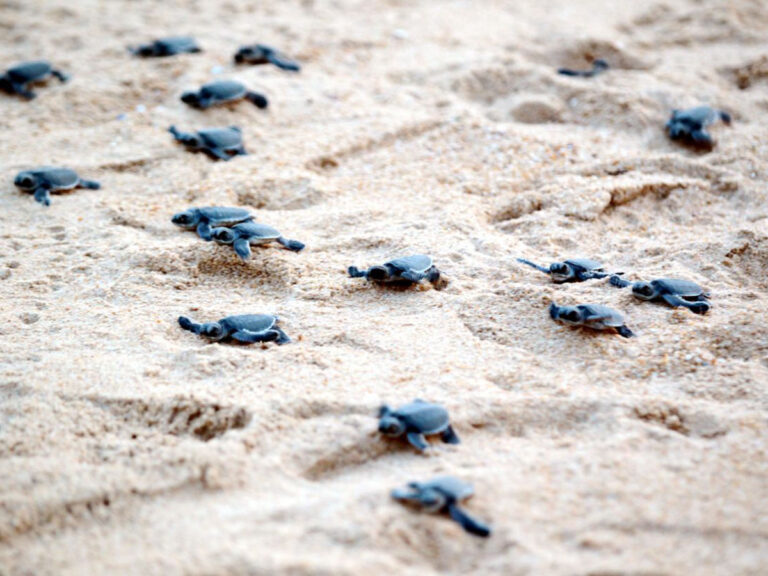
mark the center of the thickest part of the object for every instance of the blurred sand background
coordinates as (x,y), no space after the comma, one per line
(128,446)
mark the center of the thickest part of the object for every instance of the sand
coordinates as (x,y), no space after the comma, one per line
(128,446)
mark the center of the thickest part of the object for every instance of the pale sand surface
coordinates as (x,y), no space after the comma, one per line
(128,446)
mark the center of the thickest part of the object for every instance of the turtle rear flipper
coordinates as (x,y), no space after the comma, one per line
(449,436)
(293,245)
(702,139)
(467,522)
(282,62)
(259,100)
(625,332)
(273,335)
(60,75)
(89,184)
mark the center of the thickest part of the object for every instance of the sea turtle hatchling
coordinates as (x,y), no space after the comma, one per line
(594,316)
(246,234)
(246,328)
(412,269)
(205,219)
(673,291)
(170,46)
(17,79)
(690,125)
(598,67)
(261,54)
(416,420)
(47,180)
(218,143)
(571,270)
(222,92)
(443,495)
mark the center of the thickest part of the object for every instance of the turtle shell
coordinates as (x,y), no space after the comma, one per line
(176,45)
(451,487)
(221,137)
(224,215)
(699,116)
(29,71)
(256,231)
(424,417)
(612,317)
(57,178)
(684,288)
(252,322)
(416,263)
(584,263)
(223,90)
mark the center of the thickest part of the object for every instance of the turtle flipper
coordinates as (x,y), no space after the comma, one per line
(23,92)
(250,337)
(355,272)
(702,139)
(618,281)
(282,337)
(258,100)
(204,231)
(412,276)
(242,248)
(283,63)
(218,154)
(590,275)
(450,436)
(698,307)
(532,265)
(43,196)
(293,245)
(417,441)
(467,522)
(89,184)
(624,331)
(188,324)
(60,75)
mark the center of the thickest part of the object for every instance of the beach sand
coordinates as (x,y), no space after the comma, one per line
(128,446)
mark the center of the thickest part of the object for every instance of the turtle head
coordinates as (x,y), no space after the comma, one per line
(5,84)
(644,290)
(188,139)
(560,271)
(26,181)
(599,65)
(428,499)
(187,219)
(223,236)
(191,98)
(212,331)
(566,314)
(378,273)
(390,425)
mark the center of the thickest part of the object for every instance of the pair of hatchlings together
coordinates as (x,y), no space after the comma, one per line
(673,291)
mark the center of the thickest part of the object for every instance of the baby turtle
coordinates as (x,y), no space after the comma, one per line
(595,316)
(222,92)
(167,47)
(598,67)
(245,328)
(44,181)
(205,219)
(411,269)
(440,495)
(242,236)
(261,54)
(416,420)
(672,291)
(571,270)
(218,143)
(16,80)
(689,126)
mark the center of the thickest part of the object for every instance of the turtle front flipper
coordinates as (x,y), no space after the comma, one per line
(293,245)
(702,139)
(23,92)
(417,441)
(355,272)
(467,522)
(282,337)
(618,281)
(412,276)
(698,307)
(243,248)
(532,265)
(204,231)
(258,100)
(217,153)
(43,196)
(449,436)
(583,275)
(188,324)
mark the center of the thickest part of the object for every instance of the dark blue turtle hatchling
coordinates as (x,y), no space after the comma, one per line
(218,143)
(443,495)
(410,269)
(689,126)
(571,270)
(223,92)
(246,234)
(261,54)
(170,46)
(598,67)
(205,219)
(416,420)
(17,79)
(47,180)
(594,316)
(247,328)
(673,291)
